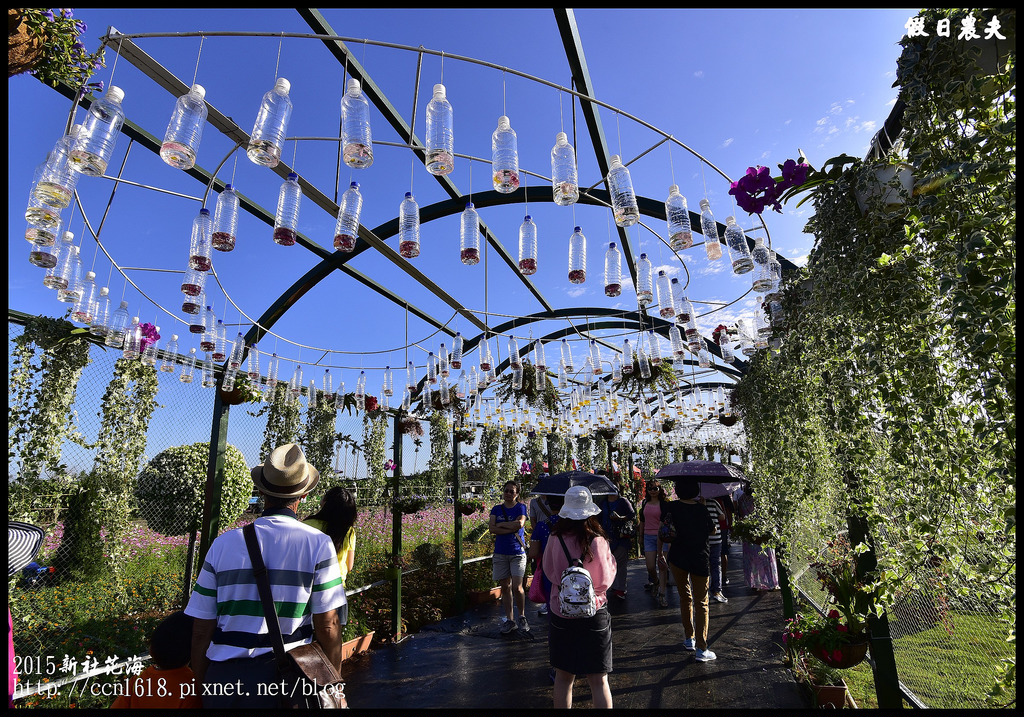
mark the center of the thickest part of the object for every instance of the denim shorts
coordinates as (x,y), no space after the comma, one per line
(651,544)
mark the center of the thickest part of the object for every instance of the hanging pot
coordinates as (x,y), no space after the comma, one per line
(892,198)
(230,398)
(850,655)
(23,50)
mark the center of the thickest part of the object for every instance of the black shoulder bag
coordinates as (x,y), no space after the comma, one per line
(310,679)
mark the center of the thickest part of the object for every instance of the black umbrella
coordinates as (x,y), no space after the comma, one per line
(706,471)
(560,482)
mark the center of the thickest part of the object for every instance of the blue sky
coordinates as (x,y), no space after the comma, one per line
(739,86)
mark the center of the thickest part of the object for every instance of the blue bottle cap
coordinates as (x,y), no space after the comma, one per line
(292,175)
(354,185)
(205,212)
(469,205)
(408,195)
(611,245)
(577,230)
(229,188)
(527,218)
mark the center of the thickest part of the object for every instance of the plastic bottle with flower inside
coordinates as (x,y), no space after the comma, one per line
(271,127)
(356,139)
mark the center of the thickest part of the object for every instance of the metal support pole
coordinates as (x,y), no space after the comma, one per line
(460,598)
(214,475)
(551,459)
(887,680)
(395,571)
(788,609)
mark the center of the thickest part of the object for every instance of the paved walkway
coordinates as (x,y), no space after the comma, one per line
(465,663)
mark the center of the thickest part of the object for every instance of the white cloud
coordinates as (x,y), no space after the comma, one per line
(670,269)
(580,291)
(714,267)
(699,74)
(727,142)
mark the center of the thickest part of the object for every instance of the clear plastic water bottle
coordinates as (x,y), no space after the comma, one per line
(528,246)
(388,386)
(612,271)
(57,179)
(85,308)
(564,178)
(235,357)
(624,206)
(738,249)
(685,317)
(540,359)
(469,236)
(724,347)
(409,227)
(286,220)
(185,129)
(678,347)
(94,145)
(98,326)
(219,352)
(514,359)
(170,353)
(209,338)
(188,367)
(37,213)
(312,393)
(431,368)
(69,267)
(132,340)
(762,280)
(225,220)
(43,256)
(577,257)
(566,356)
(666,306)
(440,140)
(504,158)
(253,365)
(41,236)
(627,357)
(595,358)
(356,142)
(209,379)
(199,253)
(193,305)
(295,385)
(272,368)
(677,215)
(710,230)
(148,354)
(457,346)
(192,283)
(644,283)
(346,230)
(271,126)
(775,269)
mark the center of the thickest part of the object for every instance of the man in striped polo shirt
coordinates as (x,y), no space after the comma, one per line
(715,551)
(232,653)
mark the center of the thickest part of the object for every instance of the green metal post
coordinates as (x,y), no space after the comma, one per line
(788,609)
(610,464)
(396,538)
(551,461)
(214,475)
(887,684)
(460,598)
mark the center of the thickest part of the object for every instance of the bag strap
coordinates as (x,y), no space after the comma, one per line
(504,514)
(259,571)
(543,506)
(566,551)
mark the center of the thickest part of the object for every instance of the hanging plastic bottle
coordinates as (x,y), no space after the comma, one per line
(443,368)
(563,377)
(724,347)
(56,276)
(595,358)
(485,356)
(564,182)
(272,368)
(209,338)
(209,379)
(677,216)
(228,384)
(356,140)
(43,256)
(199,253)
(73,277)
(431,368)
(469,236)
(132,340)
(624,206)
(642,363)
(778,315)
(775,268)
(410,378)
(346,230)
(295,385)
(41,236)
(185,129)
(472,381)
(738,249)
(540,359)
(666,305)
(225,220)
(577,257)
(644,284)
(456,359)
(703,357)
(678,347)
(235,355)
(762,278)
(286,221)
(252,365)
(388,387)
(170,353)
(57,180)
(149,353)
(85,307)
(686,318)
(566,356)
(528,246)
(709,227)
(38,213)
(617,369)
(612,271)
(627,357)
(192,305)
(188,367)
(94,145)
(360,391)
(220,341)
(504,158)
(653,348)
(98,326)
(312,394)
(443,390)
(271,126)
(440,140)
(409,227)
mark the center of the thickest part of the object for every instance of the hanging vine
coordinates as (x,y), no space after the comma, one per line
(439,467)
(508,466)
(283,420)
(585,453)
(318,435)
(46,365)
(490,440)
(375,431)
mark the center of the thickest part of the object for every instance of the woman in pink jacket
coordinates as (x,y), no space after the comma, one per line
(580,646)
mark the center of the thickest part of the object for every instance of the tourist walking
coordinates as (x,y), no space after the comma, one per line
(715,551)
(580,645)
(509,558)
(725,525)
(621,528)
(759,567)
(538,541)
(688,559)
(650,522)
(232,651)
(337,518)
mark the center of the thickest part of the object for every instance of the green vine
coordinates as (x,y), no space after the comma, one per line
(283,420)
(439,467)
(545,397)
(508,464)
(490,440)
(585,453)
(375,430)
(318,435)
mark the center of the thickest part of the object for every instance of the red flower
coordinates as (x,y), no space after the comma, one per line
(371,403)
(833,613)
(837,655)
(842,628)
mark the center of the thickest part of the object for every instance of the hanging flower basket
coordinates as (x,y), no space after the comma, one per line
(468,507)
(466,436)
(411,426)
(728,420)
(667,425)
(23,49)
(881,185)
(843,657)
(607,433)
(407,505)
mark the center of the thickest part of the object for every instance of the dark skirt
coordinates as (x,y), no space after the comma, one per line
(582,645)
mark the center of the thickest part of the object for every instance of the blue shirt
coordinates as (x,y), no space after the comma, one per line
(508,544)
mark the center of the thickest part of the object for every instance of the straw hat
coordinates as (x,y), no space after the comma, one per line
(579,504)
(285,473)
(23,541)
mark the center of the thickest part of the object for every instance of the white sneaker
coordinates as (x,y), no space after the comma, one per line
(689,644)
(706,656)
(719,597)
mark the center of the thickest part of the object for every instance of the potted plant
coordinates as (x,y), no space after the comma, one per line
(410,425)
(243,392)
(468,506)
(409,504)
(826,683)
(48,46)
(466,435)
